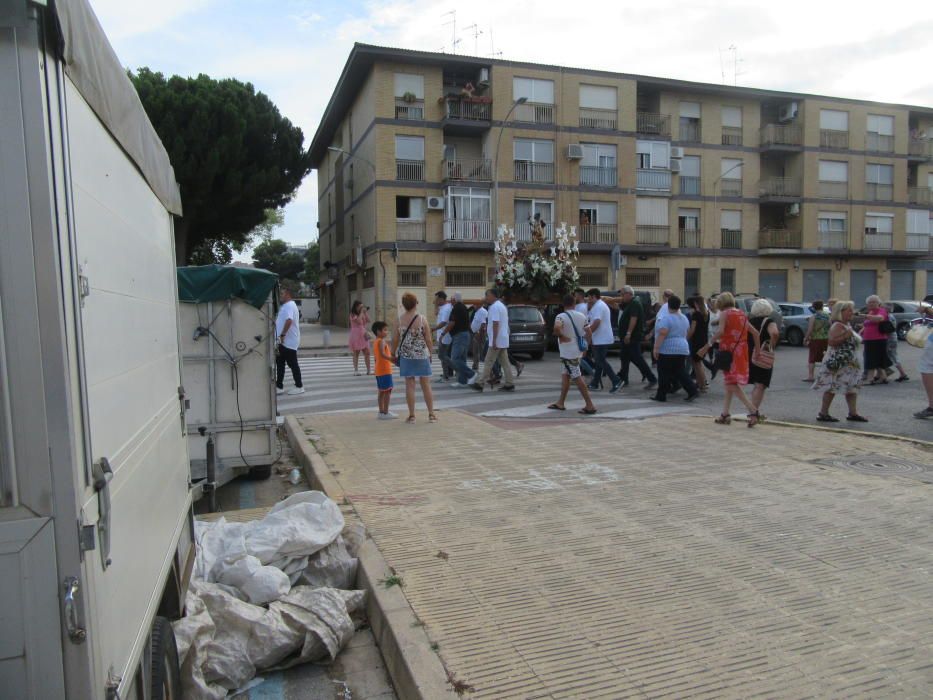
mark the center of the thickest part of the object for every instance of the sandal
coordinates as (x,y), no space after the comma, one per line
(587,411)
(826,418)
(856,418)
(903,378)
(724,419)
(556,407)
(753,419)
(432,418)
(410,419)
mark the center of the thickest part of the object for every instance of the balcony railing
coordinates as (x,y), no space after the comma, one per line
(653,180)
(534,113)
(652,234)
(596,176)
(409,230)
(832,190)
(920,148)
(879,143)
(690,130)
(651,123)
(878,241)
(834,138)
(411,170)
(689,184)
(779,238)
(523,231)
(689,238)
(731,238)
(730,187)
(779,187)
(834,240)
(467,230)
(409,110)
(457,108)
(593,118)
(781,135)
(920,195)
(528,171)
(598,233)
(732,136)
(875,192)
(467,169)
(922,242)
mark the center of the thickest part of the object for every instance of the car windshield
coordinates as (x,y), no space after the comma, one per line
(524,314)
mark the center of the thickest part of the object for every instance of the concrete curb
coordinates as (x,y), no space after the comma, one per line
(826,429)
(415,668)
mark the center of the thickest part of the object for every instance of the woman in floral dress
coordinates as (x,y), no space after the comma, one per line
(841,371)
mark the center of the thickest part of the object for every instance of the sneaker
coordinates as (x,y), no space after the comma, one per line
(507,387)
(279,390)
(457,385)
(390,416)
(925,413)
(472,380)
(615,387)
(295,391)
(384,416)
(476,387)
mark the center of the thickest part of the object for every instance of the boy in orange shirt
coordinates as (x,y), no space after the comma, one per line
(383,369)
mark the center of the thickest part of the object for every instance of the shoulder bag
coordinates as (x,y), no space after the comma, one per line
(581,341)
(723,359)
(764,358)
(917,335)
(402,339)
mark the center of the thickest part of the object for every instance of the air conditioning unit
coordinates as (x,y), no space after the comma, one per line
(793,209)
(436,203)
(675,166)
(483,80)
(677,152)
(575,152)
(788,112)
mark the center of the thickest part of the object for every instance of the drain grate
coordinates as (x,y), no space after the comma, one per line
(881,465)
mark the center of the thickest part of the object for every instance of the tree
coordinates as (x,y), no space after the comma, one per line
(273,255)
(313,264)
(272,220)
(235,157)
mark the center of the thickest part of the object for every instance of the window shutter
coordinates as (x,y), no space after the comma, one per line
(726,168)
(882,223)
(690,166)
(881,124)
(834,119)
(598,97)
(732,116)
(608,212)
(918,221)
(834,171)
(660,154)
(409,147)
(651,211)
(690,110)
(407,82)
(731,220)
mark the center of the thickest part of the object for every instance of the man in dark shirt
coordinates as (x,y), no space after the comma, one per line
(458,327)
(631,333)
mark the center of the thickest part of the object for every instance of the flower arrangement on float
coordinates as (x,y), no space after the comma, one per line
(536,269)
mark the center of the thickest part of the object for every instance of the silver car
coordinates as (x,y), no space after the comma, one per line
(796,319)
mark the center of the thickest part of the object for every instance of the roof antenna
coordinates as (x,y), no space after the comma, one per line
(454,40)
(476,32)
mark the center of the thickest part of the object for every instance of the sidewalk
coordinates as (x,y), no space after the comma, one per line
(662,558)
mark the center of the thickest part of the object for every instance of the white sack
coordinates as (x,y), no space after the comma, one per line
(332,567)
(261,584)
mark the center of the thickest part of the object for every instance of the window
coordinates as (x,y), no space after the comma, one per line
(879,224)
(593,277)
(525,209)
(598,222)
(534,160)
(690,121)
(833,179)
(688,224)
(409,96)
(465,276)
(879,182)
(879,133)
(409,276)
(369,277)
(651,221)
(730,182)
(727,279)
(690,175)
(468,204)
(599,107)
(409,158)
(832,227)
(653,154)
(919,222)
(411,208)
(730,228)
(732,126)
(643,276)
(598,166)
(834,119)
(691,281)
(534,90)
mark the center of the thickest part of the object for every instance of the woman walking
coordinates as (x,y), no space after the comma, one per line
(926,368)
(413,346)
(815,337)
(762,363)
(840,372)
(698,335)
(359,343)
(671,350)
(876,341)
(732,336)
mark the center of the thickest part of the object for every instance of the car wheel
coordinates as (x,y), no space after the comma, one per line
(795,336)
(902,331)
(165,671)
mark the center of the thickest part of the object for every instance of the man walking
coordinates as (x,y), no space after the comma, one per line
(568,327)
(631,332)
(579,301)
(458,329)
(289,338)
(443,308)
(497,328)
(599,334)
(478,328)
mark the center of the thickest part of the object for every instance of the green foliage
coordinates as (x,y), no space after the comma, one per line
(235,158)
(273,255)
(313,264)
(273,219)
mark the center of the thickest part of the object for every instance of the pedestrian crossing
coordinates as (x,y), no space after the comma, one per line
(331,387)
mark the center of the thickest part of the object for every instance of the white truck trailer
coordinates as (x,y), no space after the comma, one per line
(95,504)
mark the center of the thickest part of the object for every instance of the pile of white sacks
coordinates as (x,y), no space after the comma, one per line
(268,594)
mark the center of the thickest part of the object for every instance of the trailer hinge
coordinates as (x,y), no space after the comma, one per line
(86,538)
(112,686)
(102,474)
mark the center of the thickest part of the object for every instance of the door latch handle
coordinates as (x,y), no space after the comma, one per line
(102,474)
(76,633)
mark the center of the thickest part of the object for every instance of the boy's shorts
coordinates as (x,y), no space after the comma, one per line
(572,368)
(384,382)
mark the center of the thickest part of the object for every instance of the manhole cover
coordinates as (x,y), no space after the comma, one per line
(881,465)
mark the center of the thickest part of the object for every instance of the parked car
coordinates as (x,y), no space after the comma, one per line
(746,301)
(527,330)
(796,318)
(902,312)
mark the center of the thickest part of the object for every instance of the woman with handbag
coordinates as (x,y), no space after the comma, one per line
(840,371)
(413,346)
(762,364)
(732,357)
(875,336)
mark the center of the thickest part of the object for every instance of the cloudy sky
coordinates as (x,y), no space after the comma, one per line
(294,50)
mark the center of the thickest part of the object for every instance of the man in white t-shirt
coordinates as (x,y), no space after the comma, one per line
(600,336)
(579,302)
(443,341)
(478,328)
(497,330)
(569,328)
(289,338)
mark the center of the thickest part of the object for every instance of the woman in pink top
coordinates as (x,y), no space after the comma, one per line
(359,321)
(875,342)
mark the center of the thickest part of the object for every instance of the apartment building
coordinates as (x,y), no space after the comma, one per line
(697,187)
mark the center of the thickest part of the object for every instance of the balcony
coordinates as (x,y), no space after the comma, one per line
(596,176)
(730,187)
(878,241)
(779,189)
(879,143)
(920,150)
(409,109)
(834,240)
(781,137)
(523,231)
(529,171)
(875,192)
(467,230)
(920,242)
(534,113)
(651,123)
(409,230)
(731,239)
(598,233)
(689,238)
(651,180)
(689,184)
(409,170)
(920,195)
(652,234)
(834,138)
(832,190)
(462,114)
(732,136)
(779,238)
(467,169)
(690,130)
(592,118)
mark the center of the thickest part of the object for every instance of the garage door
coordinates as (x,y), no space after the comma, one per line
(817,284)
(863,286)
(773,284)
(902,284)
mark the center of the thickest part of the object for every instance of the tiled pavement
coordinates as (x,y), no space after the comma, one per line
(662,558)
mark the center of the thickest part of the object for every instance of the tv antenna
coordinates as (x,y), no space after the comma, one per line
(492,46)
(476,32)
(453,21)
(735,64)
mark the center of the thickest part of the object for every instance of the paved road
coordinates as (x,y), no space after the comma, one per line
(332,387)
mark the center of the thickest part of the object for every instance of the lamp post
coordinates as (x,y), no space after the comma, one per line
(715,190)
(495,166)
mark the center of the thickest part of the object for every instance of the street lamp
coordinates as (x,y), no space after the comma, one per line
(495,166)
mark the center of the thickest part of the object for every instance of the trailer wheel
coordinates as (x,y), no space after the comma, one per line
(259,473)
(166,673)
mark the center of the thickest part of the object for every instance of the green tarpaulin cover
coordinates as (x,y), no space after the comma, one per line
(219,282)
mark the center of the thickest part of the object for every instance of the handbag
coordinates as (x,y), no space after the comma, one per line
(918,334)
(764,358)
(723,359)
(886,327)
(402,340)
(582,345)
